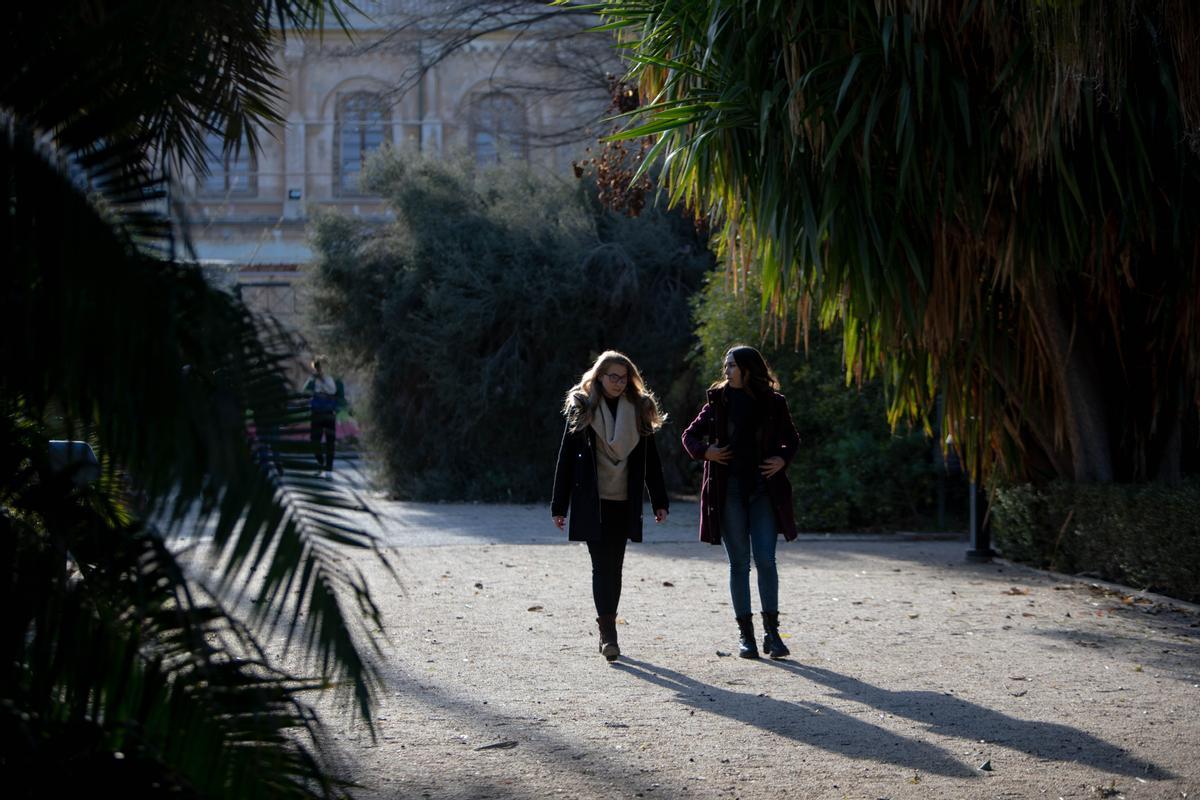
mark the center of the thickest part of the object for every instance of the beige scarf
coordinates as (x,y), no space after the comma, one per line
(615,440)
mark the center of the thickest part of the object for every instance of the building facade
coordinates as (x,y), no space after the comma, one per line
(411,73)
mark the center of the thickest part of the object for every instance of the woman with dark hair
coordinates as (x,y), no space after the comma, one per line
(746,438)
(606,457)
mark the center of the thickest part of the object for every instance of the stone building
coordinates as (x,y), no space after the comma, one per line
(433,76)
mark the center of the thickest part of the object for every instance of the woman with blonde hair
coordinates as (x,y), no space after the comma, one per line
(746,438)
(606,457)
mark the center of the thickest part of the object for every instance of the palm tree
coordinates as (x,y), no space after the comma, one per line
(995,199)
(119,669)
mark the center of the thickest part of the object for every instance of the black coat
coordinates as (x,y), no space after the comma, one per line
(576,487)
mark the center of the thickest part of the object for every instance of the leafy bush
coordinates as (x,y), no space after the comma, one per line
(472,313)
(1144,535)
(852,471)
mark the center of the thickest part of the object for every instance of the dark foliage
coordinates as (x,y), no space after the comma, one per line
(995,199)
(121,672)
(1145,536)
(482,303)
(852,470)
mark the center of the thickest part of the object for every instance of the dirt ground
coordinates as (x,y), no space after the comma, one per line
(914,674)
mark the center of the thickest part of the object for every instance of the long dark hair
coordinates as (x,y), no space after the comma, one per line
(757,376)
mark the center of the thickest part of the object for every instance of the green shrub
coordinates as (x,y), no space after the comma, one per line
(1146,535)
(852,471)
(471,314)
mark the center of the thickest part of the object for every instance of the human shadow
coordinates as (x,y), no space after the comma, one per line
(593,767)
(803,721)
(951,716)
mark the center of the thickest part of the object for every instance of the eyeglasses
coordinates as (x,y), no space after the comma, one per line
(615,378)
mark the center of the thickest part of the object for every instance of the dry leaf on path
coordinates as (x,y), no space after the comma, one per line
(505,745)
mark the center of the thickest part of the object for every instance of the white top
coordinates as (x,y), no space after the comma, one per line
(323,384)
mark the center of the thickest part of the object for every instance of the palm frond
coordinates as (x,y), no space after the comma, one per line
(923,173)
(166,376)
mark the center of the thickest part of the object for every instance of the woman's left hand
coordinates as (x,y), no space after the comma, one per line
(771,466)
(660,515)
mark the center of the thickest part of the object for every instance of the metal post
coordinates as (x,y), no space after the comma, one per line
(939,461)
(981,534)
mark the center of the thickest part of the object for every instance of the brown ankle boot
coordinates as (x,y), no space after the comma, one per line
(608,636)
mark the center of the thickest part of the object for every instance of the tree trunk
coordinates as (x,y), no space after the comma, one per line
(1076,384)
(1170,461)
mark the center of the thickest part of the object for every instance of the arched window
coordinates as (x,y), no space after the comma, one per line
(497,128)
(229,173)
(362,128)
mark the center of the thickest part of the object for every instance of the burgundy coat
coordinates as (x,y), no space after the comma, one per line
(777,437)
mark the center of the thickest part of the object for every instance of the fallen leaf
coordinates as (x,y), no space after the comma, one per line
(722,654)
(913,616)
(1015,590)
(536,608)
(986,766)
(505,745)
(667,583)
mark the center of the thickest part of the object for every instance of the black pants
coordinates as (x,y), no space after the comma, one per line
(324,424)
(608,555)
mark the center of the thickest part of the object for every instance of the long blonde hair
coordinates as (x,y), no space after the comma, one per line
(583,398)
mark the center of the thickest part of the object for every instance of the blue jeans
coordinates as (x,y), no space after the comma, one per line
(748,528)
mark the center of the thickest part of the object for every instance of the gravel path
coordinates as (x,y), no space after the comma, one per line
(914,674)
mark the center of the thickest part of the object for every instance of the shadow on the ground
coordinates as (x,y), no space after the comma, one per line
(892,553)
(597,767)
(806,722)
(951,716)
(1172,649)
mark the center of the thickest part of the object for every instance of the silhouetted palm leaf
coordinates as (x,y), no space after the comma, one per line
(107,648)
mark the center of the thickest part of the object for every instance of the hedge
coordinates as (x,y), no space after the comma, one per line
(1145,536)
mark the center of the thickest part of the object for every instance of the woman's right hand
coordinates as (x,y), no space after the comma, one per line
(721,455)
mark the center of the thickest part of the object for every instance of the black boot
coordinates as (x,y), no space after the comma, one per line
(608,636)
(772,643)
(747,648)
